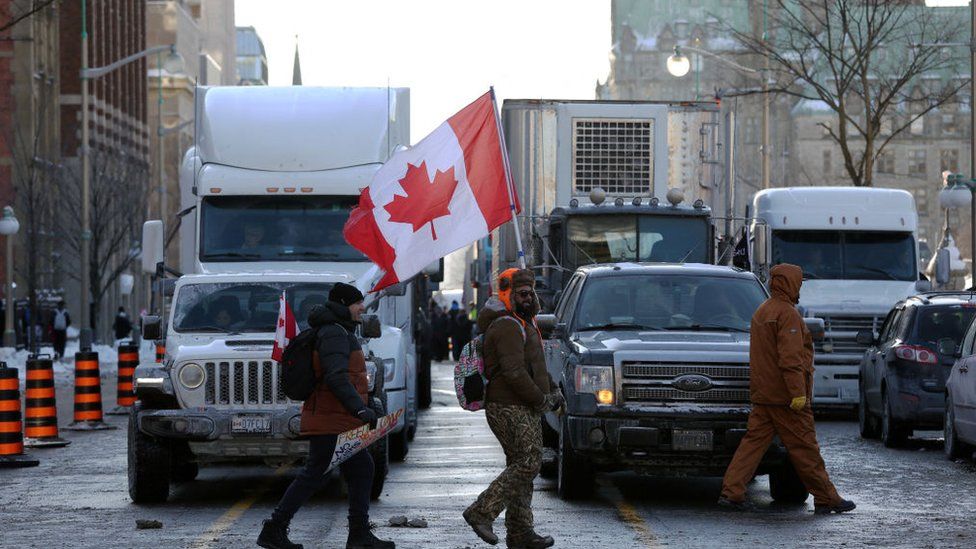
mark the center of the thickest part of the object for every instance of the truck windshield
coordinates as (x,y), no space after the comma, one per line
(242,307)
(275,228)
(848,255)
(611,238)
(668,302)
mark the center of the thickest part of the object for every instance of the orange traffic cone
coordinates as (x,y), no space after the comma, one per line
(88,394)
(160,351)
(40,406)
(11,438)
(125,394)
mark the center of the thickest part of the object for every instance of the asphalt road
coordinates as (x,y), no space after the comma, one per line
(77,497)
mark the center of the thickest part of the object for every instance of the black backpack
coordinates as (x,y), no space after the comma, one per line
(297,372)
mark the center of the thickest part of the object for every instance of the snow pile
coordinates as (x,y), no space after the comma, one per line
(108,359)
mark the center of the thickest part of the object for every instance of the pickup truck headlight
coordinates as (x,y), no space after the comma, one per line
(389,369)
(192,375)
(597,380)
(370,375)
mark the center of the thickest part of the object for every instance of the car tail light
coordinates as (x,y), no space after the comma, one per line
(913,353)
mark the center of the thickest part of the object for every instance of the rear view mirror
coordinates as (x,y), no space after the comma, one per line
(152,245)
(370,327)
(152,328)
(397,290)
(943,266)
(546,323)
(435,271)
(922,286)
(866,337)
(947,347)
(816,327)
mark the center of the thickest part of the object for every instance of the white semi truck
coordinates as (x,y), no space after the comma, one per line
(858,248)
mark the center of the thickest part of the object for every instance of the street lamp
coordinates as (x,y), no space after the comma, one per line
(87,73)
(678,65)
(9,227)
(955,194)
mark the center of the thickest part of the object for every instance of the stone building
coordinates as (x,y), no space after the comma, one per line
(252,62)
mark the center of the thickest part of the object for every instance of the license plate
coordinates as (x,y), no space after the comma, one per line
(250,423)
(691,440)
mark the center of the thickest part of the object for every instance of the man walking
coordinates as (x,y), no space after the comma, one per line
(781,388)
(122,325)
(519,392)
(338,404)
(60,321)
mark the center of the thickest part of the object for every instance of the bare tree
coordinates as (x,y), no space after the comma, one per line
(871,62)
(119,193)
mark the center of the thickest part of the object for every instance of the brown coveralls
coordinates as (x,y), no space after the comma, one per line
(781,368)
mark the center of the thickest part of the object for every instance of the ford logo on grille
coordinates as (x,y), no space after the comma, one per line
(693,382)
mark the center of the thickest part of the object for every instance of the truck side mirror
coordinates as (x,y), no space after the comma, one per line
(546,324)
(866,337)
(152,327)
(152,245)
(435,271)
(370,327)
(816,327)
(399,289)
(943,266)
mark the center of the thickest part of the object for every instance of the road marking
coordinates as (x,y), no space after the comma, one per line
(224,523)
(629,515)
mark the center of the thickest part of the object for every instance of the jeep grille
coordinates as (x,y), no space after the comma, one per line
(243,382)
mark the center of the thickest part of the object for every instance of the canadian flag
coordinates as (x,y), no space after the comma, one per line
(285,330)
(444,193)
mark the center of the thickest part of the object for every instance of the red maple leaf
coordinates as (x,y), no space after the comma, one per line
(425,200)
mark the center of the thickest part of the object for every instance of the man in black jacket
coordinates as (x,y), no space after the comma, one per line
(337,405)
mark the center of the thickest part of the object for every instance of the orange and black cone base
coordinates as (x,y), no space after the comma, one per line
(40,406)
(11,436)
(125,394)
(88,394)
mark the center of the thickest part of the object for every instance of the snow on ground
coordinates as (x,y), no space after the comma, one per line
(108,359)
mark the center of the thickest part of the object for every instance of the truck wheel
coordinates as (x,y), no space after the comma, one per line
(550,438)
(785,485)
(575,473)
(893,435)
(185,472)
(954,448)
(399,445)
(423,383)
(867,422)
(380,452)
(149,464)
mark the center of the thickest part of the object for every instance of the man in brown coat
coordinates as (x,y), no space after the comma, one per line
(781,389)
(519,392)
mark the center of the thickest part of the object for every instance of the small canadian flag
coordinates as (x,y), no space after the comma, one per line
(438,196)
(285,330)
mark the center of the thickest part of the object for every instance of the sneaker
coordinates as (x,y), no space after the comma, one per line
(530,541)
(482,528)
(740,506)
(844,506)
(275,536)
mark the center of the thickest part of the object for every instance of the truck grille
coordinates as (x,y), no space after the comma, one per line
(841,334)
(658,382)
(614,154)
(665,394)
(243,382)
(672,370)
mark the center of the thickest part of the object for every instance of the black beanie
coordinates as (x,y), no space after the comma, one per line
(344,294)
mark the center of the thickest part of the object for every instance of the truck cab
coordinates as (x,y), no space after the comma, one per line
(858,249)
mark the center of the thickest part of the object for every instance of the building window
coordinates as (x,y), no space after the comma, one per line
(827,168)
(949,125)
(949,160)
(916,162)
(750,130)
(918,126)
(922,201)
(885,162)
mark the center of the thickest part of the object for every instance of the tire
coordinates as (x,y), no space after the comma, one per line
(423,382)
(380,453)
(867,422)
(185,472)
(954,448)
(149,464)
(785,485)
(399,445)
(550,437)
(893,435)
(575,473)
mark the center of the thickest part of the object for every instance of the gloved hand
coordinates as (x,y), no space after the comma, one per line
(550,402)
(367,415)
(558,400)
(798,403)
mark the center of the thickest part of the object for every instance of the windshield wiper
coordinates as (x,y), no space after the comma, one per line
(208,329)
(809,276)
(876,270)
(706,327)
(322,255)
(619,326)
(232,255)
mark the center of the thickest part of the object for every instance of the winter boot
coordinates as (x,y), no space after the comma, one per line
(480,526)
(274,535)
(741,506)
(844,506)
(361,538)
(529,541)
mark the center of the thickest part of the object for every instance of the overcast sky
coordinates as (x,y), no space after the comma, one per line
(446,51)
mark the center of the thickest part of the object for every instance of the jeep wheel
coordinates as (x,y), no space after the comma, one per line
(575,474)
(954,448)
(785,485)
(893,435)
(398,445)
(149,464)
(867,422)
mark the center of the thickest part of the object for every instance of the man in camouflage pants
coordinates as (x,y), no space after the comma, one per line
(519,392)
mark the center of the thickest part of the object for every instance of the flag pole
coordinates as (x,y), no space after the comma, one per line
(508,179)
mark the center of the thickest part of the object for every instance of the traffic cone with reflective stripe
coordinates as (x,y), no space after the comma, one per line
(160,351)
(40,406)
(11,437)
(88,394)
(125,395)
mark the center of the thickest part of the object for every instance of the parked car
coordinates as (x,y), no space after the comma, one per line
(960,400)
(903,373)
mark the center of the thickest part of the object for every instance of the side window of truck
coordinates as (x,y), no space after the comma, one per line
(568,302)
